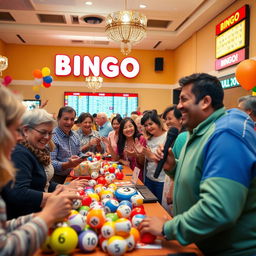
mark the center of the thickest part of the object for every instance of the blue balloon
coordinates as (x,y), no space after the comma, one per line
(47,79)
(37,97)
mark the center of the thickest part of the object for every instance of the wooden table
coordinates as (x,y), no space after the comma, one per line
(152,209)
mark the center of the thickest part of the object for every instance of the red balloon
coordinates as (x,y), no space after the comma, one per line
(46,85)
(246,74)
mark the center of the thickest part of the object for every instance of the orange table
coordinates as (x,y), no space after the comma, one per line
(152,209)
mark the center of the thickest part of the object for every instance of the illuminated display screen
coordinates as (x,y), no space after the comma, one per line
(122,103)
(31,104)
(231,40)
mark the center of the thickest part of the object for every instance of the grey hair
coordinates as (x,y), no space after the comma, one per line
(36,117)
(243,98)
(250,104)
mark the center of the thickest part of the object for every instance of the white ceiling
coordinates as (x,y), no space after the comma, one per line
(185,16)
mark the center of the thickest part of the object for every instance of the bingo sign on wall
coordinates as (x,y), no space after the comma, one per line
(232,39)
(86,66)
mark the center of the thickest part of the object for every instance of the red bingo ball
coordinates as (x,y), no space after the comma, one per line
(147,238)
(119,175)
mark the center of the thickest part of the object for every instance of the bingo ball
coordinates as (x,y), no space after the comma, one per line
(73,212)
(116,246)
(96,205)
(106,194)
(81,192)
(110,178)
(96,218)
(86,201)
(111,216)
(111,206)
(92,183)
(137,210)
(119,175)
(108,229)
(98,188)
(137,200)
(77,222)
(101,171)
(137,219)
(103,243)
(114,165)
(89,158)
(101,180)
(76,203)
(147,238)
(125,193)
(136,234)
(46,247)
(131,243)
(87,240)
(83,210)
(94,197)
(111,169)
(113,186)
(126,202)
(63,240)
(94,175)
(123,227)
(120,167)
(123,211)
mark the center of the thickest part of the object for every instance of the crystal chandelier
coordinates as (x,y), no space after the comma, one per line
(3,64)
(126,27)
(94,82)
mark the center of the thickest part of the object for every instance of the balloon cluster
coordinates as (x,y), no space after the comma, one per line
(42,78)
(245,74)
(6,80)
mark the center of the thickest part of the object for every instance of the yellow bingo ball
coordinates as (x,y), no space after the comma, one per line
(114,165)
(116,246)
(73,212)
(63,240)
(112,186)
(94,197)
(123,227)
(106,194)
(108,229)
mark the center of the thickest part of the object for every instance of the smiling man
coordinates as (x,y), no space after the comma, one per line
(66,154)
(214,178)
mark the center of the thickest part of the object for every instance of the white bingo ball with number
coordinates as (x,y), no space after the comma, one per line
(94,175)
(87,240)
(76,204)
(137,200)
(92,183)
(131,243)
(137,219)
(108,229)
(77,222)
(123,211)
(116,246)
(123,227)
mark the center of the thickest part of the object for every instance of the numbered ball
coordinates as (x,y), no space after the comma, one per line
(83,210)
(126,202)
(137,219)
(111,206)
(94,197)
(125,193)
(46,246)
(88,240)
(92,183)
(63,240)
(101,180)
(137,200)
(108,229)
(123,211)
(119,175)
(94,175)
(76,204)
(147,238)
(96,218)
(123,227)
(77,222)
(136,234)
(111,216)
(116,246)
(137,210)
(131,243)
(106,194)
(113,186)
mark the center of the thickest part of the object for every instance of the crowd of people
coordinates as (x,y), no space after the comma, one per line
(207,181)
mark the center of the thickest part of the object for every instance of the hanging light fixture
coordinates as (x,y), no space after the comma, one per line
(126,27)
(3,64)
(94,82)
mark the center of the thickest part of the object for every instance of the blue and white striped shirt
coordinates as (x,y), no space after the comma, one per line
(66,146)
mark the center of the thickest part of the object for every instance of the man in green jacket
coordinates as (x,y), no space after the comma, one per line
(215,176)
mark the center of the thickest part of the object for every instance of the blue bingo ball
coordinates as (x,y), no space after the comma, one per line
(126,202)
(89,158)
(87,240)
(120,167)
(125,193)
(111,205)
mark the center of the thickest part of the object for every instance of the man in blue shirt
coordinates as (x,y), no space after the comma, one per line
(104,125)
(66,154)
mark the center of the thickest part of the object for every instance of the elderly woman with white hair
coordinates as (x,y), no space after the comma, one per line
(31,158)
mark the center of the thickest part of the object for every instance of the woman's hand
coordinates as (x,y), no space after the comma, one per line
(77,183)
(74,161)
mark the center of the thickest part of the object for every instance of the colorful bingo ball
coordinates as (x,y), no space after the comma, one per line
(103,243)
(96,218)
(101,180)
(120,167)
(72,212)
(136,234)
(131,243)
(116,246)
(83,210)
(111,205)
(137,219)
(101,171)
(76,203)
(106,194)
(137,210)
(111,169)
(104,201)
(123,211)
(125,193)
(119,175)
(63,240)
(94,197)
(112,185)
(46,246)
(87,200)
(126,202)
(108,229)
(92,182)
(88,240)
(81,192)
(110,178)
(123,227)
(94,175)
(137,200)
(98,188)
(96,205)
(114,165)
(77,222)
(111,216)
(89,158)
(147,238)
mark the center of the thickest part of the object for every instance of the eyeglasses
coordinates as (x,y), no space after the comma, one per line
(43,133)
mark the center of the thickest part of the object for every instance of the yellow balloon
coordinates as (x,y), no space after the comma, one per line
(46,71)
(36,88)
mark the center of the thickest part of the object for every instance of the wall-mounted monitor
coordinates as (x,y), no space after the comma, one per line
(122,103)
(31,104)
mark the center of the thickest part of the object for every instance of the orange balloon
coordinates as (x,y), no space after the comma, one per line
(246,74)
(37,73)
